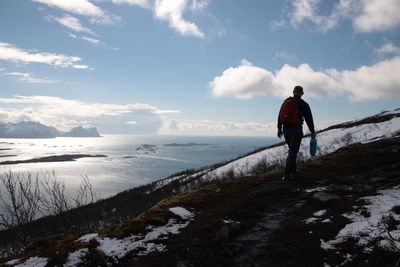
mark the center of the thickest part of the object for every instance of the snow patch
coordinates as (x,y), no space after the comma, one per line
(311,220)
(316,189)
(370,228)
(34,262)
(182,212)
(319,213)
(140,245)
(74,258)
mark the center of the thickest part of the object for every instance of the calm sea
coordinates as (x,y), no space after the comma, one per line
(131,160)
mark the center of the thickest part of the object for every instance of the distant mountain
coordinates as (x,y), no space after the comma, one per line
(81,132)
(31,129)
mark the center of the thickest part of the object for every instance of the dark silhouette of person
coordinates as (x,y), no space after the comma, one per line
(293,133)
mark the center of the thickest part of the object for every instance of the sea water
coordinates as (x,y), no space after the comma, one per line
(131,160)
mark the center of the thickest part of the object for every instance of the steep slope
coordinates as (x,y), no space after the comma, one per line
(345,210)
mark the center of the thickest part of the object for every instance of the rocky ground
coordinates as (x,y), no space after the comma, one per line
(263,221)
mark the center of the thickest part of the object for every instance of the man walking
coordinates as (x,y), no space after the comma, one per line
(293,112)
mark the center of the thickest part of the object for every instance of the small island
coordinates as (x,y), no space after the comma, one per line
(59,158)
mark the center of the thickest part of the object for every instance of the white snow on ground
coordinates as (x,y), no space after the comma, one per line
(311,220)
(182,212)
(316,217)
(319,213)
(74,258)
(31,262)
(182,178)
(372,227)
(316,189)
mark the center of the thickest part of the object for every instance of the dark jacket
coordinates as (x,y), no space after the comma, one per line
(304,114)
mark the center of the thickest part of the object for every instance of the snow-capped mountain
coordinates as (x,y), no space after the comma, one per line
(31,129)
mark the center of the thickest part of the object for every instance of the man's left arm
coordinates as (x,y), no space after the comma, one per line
(308,118)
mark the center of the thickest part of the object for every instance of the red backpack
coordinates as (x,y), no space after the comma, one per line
(290,112)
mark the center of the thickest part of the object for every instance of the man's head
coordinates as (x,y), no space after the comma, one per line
(298,91)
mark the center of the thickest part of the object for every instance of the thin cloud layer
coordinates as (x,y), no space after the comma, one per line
(66,113)
(377,81)
(365,15)
(29,78)
(205,127)
(388,49)
(141,3)
(11,53)
(71,23)
(82,7)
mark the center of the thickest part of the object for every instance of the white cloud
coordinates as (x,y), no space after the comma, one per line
(245,81)
(141,3)
(91,40)
(366,15)
(377,15)
(71,23)
(81,7)
(131,122)
(306,10)
(172,11)
(274,25)
(65,113)
(205,127)
(87,39)
(199,4)
(380,80)
(27,77)
(388,48)
(11,53)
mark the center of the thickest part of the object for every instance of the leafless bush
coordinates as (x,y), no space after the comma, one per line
(26,197)
(348,139)
(396,133)
(19,203)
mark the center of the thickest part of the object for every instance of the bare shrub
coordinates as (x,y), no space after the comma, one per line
(20,203)
(348,139)
(26,197)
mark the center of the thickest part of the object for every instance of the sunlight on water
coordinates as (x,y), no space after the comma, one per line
(131,160)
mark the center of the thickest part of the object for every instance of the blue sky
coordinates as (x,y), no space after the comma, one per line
(198,67)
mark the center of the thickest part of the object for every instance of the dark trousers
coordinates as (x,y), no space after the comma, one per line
(293,136)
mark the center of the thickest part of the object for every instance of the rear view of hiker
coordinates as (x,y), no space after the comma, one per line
(291,115)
